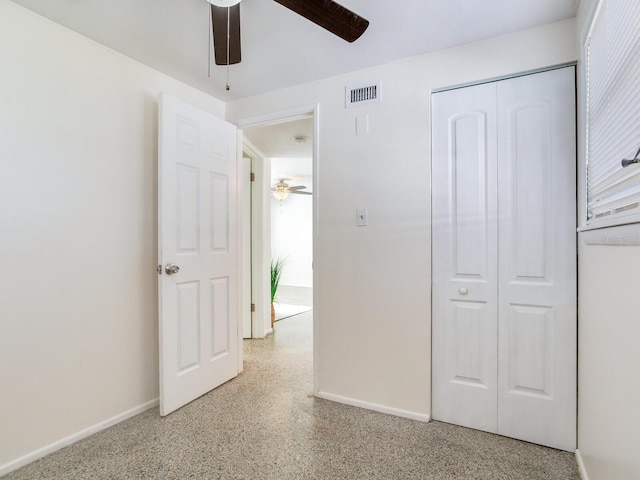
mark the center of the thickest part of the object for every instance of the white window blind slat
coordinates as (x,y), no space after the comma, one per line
(615,134)
(613,141)
(613,112)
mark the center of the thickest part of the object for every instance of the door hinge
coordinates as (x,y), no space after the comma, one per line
(253,307)
(252,177)
(159,269)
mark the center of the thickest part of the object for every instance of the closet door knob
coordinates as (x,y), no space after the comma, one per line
(463,291)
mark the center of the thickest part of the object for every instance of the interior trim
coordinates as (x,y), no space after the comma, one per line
(581,468)
(73,438)
(505,77)
(619,236)
(421,417)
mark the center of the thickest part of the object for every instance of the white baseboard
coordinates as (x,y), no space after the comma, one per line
(581,468)
(421,417)
(64,442)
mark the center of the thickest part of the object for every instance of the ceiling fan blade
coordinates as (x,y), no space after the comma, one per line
(331,16)
(300,187)
(300,193)
(219,22)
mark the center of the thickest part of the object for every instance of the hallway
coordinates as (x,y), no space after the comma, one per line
(266,425)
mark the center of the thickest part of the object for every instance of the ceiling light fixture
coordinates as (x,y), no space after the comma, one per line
(299,139)
(280,191)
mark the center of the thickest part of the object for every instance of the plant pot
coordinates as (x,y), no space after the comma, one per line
(273,315)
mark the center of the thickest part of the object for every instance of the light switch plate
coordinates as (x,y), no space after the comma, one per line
(361,217)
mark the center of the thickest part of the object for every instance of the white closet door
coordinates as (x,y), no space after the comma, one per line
(537,259)
(504,258)
(465,257)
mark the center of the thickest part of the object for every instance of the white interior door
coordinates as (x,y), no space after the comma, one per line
(465,233)
(504,258)
(197,233)
(537,259)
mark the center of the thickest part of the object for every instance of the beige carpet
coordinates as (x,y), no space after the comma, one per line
(284,310)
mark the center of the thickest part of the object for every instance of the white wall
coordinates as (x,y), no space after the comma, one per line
(373,283)
(78,235)
(292,232)
(609,329)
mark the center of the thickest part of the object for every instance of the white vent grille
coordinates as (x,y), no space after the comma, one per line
(361,94)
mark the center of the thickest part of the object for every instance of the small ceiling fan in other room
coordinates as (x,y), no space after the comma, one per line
(225,20)
(281,190)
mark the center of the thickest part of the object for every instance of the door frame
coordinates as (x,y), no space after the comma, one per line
(258,261)
(502,77)
(289,115)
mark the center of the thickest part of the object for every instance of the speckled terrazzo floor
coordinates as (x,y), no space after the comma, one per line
(266,425)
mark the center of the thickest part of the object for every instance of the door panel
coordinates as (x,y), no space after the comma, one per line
(220,320)
(466,332)
(530,360)
(529,135)
(197,225)
(219,208)
(537,259)
(468,188)
(188,206)
(188,323)
(465,265)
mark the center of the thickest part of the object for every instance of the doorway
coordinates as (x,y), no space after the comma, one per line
(283,146)
(292,219)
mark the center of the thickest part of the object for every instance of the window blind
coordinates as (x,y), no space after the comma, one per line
(612,52)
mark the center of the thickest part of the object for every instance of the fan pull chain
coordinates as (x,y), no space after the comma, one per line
(228,87)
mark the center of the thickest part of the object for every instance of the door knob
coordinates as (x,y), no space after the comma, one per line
(170,268)
(463,291)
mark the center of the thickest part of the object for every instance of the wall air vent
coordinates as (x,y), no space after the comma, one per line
(362,94)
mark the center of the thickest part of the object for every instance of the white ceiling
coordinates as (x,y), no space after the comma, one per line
(295,171)
(277,140)
(290,160)
(280,48)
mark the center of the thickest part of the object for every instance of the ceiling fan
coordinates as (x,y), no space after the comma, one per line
(225,19)
(281,190)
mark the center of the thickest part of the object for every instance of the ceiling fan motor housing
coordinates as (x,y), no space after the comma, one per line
(224,3)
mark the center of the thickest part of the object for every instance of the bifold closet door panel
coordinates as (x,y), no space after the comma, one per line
(537,258)
(465,257)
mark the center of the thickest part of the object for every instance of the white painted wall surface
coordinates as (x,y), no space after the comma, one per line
(373,283)
(292,232)
(78,235)
(608,330)
(292,238)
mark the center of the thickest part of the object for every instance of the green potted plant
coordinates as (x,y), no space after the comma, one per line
(276,271)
